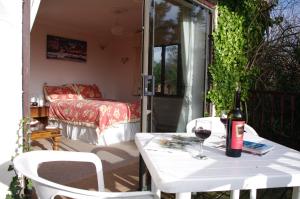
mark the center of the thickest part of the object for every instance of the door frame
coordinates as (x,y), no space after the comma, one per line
(25,57)
(145,57)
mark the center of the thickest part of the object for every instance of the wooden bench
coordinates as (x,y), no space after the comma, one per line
(53,134)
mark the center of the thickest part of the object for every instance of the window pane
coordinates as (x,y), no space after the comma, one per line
(157,68)
(166,22)
(171,70)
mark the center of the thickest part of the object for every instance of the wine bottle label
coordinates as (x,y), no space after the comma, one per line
(237,134)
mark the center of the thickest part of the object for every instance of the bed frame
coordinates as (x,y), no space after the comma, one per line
(112,135)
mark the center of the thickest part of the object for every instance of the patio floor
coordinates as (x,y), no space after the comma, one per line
(120,167)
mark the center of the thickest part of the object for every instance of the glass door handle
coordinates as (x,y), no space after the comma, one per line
(149,85)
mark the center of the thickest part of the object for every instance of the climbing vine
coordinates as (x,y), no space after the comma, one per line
(19,187)
(240,30)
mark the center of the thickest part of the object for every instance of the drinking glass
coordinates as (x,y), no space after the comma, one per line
(223,119)
(202,130)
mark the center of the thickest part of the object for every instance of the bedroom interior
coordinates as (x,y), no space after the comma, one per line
(111,31)
(112,64)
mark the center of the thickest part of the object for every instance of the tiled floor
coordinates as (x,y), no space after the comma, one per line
(120,165)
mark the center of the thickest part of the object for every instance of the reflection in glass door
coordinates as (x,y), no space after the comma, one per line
(165,69)
(178,61)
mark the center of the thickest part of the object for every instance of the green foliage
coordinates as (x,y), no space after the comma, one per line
(240,30)
(16,189)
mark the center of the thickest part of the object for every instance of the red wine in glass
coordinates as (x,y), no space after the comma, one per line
(202,133)
(223,120)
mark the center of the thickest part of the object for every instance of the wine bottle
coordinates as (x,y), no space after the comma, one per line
(235,128)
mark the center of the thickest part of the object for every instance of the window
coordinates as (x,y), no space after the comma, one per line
(167,70)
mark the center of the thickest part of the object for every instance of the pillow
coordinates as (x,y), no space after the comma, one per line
(88,91)
(66,92)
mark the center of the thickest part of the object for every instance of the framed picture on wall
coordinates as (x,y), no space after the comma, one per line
(66,49)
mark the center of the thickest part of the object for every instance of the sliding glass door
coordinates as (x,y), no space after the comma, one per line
(176,67)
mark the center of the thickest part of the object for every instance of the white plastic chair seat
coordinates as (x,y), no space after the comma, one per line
(27,164)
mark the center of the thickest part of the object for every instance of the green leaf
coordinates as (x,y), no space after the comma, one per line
(239,31)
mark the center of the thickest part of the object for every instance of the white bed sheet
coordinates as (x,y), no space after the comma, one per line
(115,134)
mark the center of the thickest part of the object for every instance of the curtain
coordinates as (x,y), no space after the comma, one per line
(193,52)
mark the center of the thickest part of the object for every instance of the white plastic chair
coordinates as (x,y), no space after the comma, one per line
(250,130)
(27,164)
(219,129)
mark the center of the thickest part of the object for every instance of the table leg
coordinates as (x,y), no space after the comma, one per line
(235,194)
(154,190)
(296,193)
(186,195)
(253,194)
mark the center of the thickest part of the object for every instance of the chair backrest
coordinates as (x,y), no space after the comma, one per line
(250,130)
(28,163)
(217,126)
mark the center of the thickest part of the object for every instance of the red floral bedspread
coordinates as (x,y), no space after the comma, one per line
(94,113)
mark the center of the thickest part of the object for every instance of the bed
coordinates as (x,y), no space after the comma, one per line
(83,114)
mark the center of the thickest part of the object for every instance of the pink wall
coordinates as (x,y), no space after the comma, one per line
(125,74)
(104,65)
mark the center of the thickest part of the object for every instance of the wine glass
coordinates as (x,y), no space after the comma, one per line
(202,130)
(223,119)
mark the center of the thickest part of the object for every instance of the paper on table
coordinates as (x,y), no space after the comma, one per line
(256,147)
(178,142)
(171,143)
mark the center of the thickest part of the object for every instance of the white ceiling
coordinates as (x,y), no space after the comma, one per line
(92,16)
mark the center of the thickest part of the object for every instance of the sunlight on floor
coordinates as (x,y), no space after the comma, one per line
(120,165)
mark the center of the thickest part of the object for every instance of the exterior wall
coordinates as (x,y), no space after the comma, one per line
(104,65)
(11,84)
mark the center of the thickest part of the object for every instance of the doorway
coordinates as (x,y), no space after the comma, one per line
(178,56)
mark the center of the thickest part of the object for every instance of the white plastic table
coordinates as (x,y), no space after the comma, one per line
(176,171)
